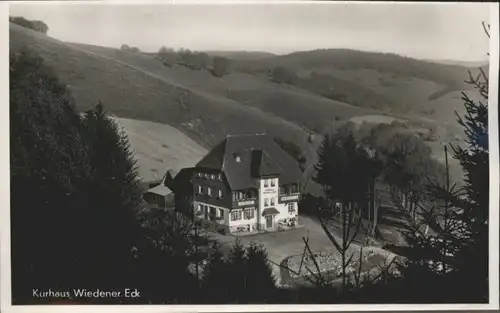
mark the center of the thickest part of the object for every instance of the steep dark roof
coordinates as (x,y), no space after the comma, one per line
(261,164)
(214,159)
(259,155)
(184,176)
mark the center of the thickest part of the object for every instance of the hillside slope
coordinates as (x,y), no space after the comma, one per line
(159,147)
(290,103)
(387,82)
(131,92)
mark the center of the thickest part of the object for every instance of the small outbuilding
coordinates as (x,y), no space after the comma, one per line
(161,196)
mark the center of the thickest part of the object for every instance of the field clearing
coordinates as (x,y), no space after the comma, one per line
(159,147)
(374,119)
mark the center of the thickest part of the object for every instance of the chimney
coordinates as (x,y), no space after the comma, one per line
(256,162)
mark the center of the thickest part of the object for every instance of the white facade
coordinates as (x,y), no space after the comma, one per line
(250,218)
(269,197)
(243,220)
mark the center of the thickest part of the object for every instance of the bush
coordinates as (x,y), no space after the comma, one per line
(221,66)
(38,26)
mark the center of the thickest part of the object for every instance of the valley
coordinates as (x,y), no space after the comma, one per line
(199,109)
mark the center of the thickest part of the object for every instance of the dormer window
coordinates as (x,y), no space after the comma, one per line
(237,158)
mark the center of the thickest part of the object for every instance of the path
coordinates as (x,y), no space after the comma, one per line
(282,244)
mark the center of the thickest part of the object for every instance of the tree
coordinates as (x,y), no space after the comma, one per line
(134,50)
(172,241)
(167,56)
(81,230)
(456,249)
(345,169)
(185,56)
(284,75)
(409,168)
(199,61)
(260,282)
(48,172)
(116,193)
(214,271)
(38,26)
(346,172)
(221,66)
(244,276)
(236,276)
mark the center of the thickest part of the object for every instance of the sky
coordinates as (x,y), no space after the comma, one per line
(437,31)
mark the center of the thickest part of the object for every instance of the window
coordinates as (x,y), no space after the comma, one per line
(200,190)
(237,157)
(249,213)
(212,176)
(236,215)
(205,211)
(266,202)
(282,190)
(206,175)
(220,194)
(266,182)
(209,190)
(273,182)
(272,201)
(199,175)
(291,207)
(219,177)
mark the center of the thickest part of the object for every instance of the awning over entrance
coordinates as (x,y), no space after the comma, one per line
(270,211)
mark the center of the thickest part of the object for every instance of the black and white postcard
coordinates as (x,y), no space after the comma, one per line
(232,156)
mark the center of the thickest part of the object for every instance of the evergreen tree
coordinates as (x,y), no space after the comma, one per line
(236,275)
(214,272)
(345,169)
(171,249)
(260,283)
(473,205)
(49,171)
(75,181)
(453,258)
(116,198)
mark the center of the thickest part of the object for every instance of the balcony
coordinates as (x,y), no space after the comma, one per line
(292,197)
